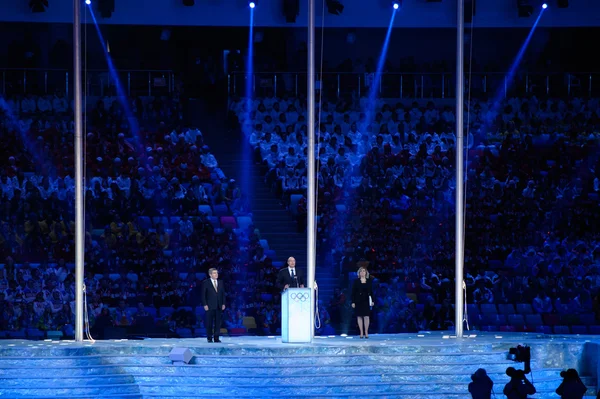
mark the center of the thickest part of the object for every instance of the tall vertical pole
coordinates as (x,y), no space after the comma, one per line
(311,197)
(460,217)
(79,228)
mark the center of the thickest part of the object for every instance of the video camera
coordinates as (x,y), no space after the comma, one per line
(521,354)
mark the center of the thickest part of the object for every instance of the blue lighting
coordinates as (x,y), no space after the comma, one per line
(544,6)
(246,165)
(396,5)
(121,94)
(374,90)
(88,2)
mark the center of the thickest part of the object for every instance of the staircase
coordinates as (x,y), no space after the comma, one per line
(379,369)
(274,221)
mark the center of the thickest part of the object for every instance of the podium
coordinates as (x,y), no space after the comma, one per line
(295,316)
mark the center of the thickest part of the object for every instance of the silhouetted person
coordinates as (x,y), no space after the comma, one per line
(572,387)
(482,385)
(519,386)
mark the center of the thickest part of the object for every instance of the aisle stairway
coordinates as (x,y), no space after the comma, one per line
(375,371)
(274,221)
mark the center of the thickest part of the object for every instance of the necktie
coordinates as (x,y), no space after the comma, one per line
(293,276)
(215,285)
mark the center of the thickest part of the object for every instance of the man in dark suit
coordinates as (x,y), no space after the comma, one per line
(213,300)
(289,276)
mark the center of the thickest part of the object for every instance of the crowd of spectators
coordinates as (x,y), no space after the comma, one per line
(158,213)
(386,201)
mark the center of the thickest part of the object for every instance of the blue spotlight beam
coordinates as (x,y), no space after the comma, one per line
(377,79)
(515,64)
(122,96)
(247,127)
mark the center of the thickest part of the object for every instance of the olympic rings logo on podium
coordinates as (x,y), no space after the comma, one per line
(302,297)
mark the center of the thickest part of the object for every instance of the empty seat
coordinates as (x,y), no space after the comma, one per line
(174,220)
(228,221)
(184,332)
(550,319)
(206,209)
(543,329)
(264,244)
(587,319)
(595,330)
(516,320)
(151,311)
(244,222)
(214,221)
(200,311)
(269,253)
(569,319)
(579,330)
(236,332)
(491,319)
(34,333)
(561,330)
(160,219)
(144,222)
(533,320)
(524,309)
(165,311)
(220,210)
(488,308)
(473,310)
(506,309)
(249,322)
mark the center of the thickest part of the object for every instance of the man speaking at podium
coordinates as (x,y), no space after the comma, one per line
(290,277)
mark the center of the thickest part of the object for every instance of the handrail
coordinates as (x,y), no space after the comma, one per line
(47,80)
(422,84)
(89,70)
(416,73)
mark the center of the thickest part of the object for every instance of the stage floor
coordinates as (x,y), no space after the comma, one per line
(429,365)
(427,338)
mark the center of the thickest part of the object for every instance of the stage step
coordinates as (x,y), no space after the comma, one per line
(265,368)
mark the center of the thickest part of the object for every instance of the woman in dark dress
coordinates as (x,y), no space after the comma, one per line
(362,294)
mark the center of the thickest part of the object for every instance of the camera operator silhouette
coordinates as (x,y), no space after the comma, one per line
(572,387)
(519,386)
(482,385)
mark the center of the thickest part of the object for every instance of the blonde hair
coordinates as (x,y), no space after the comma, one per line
(366,272)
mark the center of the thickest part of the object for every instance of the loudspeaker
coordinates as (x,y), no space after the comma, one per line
(180,355)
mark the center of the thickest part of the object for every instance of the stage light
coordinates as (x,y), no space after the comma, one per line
(395,5)
(525,8)
(180,356)
(544,6)
(88,2)
(335,7)
(252,4)
(38,5)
